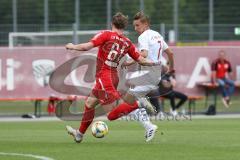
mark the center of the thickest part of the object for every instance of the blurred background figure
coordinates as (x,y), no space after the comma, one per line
(221,68)
(51,106)
(166,90)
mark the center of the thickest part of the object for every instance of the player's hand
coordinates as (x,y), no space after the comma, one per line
(69,46)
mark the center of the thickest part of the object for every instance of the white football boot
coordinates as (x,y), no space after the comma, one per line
(150,132)
(75,133)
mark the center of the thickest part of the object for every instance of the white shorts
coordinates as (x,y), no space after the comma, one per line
(142,91)
(144,80)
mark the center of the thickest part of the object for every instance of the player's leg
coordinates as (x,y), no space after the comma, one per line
(88,116)
(139,114)
(124,108)
(104,92)
(130,103)
(143,118)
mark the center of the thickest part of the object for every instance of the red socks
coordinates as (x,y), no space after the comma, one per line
(121,110)
(116,113)
(87,119)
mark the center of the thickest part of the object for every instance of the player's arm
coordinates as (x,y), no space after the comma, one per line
(146,62)
(130,62)
(97,40)
(135,55)
(144,53)
(80,47)
(143,46)
(170,59)
(142,61)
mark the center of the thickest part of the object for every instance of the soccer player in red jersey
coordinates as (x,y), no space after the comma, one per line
(113,45)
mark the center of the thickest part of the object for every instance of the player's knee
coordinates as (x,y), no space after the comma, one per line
(130,99)
(112,98)
(110,117)
(91,102)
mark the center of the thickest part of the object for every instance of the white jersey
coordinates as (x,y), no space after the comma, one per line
(154,43)
(149,76)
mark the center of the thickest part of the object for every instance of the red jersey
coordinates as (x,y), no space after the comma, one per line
(112,47)
(221,68)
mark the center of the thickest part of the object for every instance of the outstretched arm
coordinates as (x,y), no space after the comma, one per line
(80,47)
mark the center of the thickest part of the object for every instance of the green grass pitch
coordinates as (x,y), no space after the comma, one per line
(202,139)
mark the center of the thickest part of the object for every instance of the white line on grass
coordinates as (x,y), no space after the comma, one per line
(25,155)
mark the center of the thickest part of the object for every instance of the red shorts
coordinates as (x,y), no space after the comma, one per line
(106,88)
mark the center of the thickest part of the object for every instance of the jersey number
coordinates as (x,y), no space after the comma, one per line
(114,54)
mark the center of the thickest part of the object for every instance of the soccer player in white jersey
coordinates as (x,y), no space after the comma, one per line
(151,45)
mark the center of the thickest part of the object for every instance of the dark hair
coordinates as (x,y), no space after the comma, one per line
(120,21)
(143,18)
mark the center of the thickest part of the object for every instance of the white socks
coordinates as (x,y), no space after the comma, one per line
(141,116)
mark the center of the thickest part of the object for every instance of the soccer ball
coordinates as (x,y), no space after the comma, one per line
(99,129)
